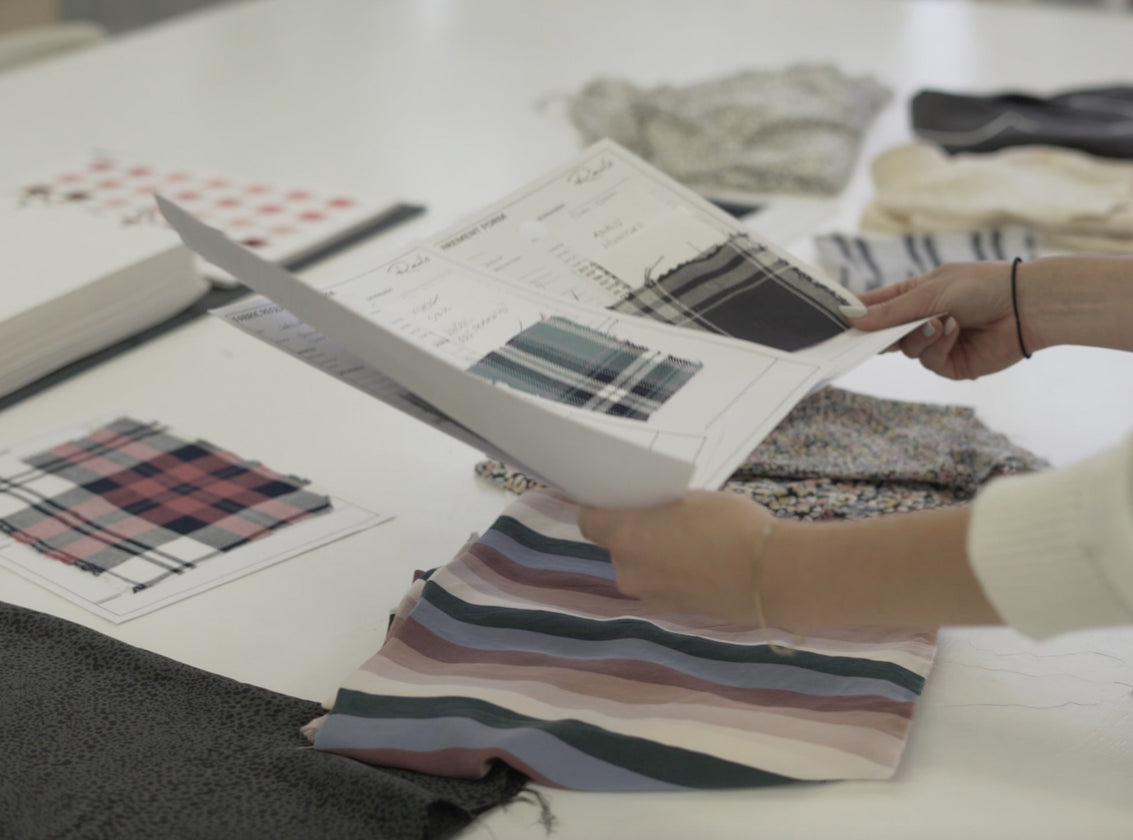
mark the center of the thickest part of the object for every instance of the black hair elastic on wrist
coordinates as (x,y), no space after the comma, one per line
(1015,307)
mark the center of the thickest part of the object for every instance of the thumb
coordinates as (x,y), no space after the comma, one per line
(917,302)
(596,524)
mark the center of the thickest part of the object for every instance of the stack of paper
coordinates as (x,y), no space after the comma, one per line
(74,284)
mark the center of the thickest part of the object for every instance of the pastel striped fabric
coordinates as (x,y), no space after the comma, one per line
(863,263)
(741,289)
(570,363)
(135,502)
(521,649)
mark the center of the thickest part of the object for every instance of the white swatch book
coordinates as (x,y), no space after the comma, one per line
(603,328)
(71,285)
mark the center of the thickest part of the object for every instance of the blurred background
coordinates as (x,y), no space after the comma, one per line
(31,29)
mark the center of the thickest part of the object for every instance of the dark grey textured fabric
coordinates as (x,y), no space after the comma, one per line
(1094,120)
(104,740)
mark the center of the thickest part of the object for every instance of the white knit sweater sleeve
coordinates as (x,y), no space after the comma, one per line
(1054,550)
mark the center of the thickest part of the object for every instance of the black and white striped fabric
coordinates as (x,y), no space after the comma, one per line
(863,263)
(742,289)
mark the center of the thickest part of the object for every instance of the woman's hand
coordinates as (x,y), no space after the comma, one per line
(709,553)
(696,555)
(974,333)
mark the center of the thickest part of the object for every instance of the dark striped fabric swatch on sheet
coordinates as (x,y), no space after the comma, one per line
(864,263)
(521,649)
(570,363)
(741,289)
(135,502)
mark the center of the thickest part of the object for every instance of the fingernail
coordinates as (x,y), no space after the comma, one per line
(950,326)
(853,310)
(928,330)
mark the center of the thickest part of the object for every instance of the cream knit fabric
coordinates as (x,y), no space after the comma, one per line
(1074,201)
(1054,549)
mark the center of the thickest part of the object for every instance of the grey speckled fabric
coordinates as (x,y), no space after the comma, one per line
(104,740)
(841,455)
(790,130)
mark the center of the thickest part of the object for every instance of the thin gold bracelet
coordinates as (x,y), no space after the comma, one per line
(757,597)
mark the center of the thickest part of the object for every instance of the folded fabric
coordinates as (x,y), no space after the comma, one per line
(104,740)
(794,130)
(522,649)
(573,364)
(1095,120)
(136,503)
(1072,200)
(841,455)
(864,263)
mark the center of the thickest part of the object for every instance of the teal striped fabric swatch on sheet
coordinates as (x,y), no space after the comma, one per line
(573,364)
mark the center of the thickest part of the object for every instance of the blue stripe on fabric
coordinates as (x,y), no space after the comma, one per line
(544,561)
(554,759)
(774,676)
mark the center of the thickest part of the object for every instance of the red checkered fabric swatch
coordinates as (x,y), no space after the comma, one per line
(133,501)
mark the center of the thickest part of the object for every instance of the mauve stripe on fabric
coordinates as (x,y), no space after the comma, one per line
(529,537)
(582,695)
(491,573)
(655,683)
(543,508)
(534,558)
(548,585)
(784,677)
(586,636)
(873,737)
(920,645)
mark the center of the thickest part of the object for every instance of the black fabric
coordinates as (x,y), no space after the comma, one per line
(104,740)
(1094,120)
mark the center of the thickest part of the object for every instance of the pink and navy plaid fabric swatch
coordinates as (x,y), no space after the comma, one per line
(741,289)
(135,502)
(570,363)
(521,649)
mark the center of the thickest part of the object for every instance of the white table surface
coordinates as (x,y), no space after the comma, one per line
(439,102)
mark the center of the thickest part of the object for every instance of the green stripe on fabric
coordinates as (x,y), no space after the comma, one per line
(516,530)
(673,765)
(582,629)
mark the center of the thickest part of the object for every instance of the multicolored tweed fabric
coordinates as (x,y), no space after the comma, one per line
(132,501)
(570,363)
(841,455)
(741,289)
(522,649)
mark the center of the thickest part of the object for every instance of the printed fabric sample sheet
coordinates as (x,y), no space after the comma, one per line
(283,222)
(622,381)
(123,516)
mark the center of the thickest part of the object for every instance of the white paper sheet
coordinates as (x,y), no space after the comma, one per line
(567,247)
(587,463)
(599,226)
